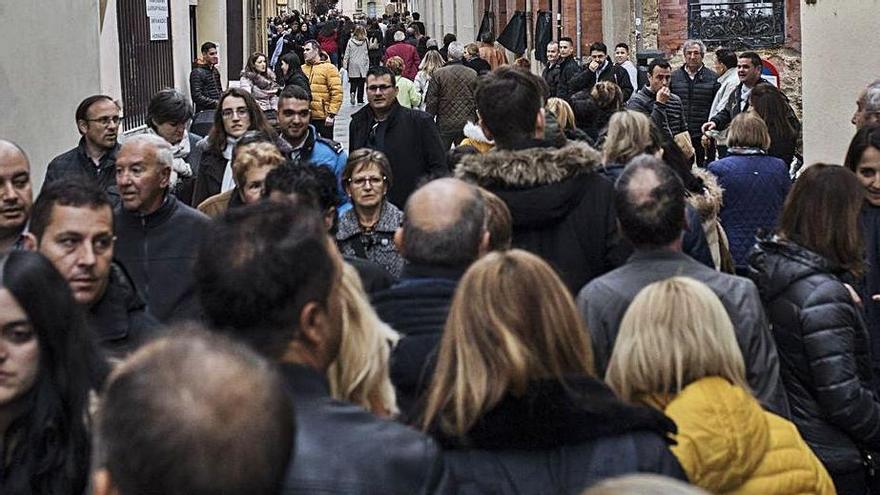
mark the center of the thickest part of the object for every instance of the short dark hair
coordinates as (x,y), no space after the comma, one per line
(726,56)
(866,137)
(258,266)
(599,47)
(622,45)
(415,16)
(292,91)
(168,105)
(207,46)
(512,118)
(82,109)
(566,38)
(313,182)
(381,70)
(455,246)
(76,192)
(190,414)
(448,38)
(655,217)
(658,62)
(753,57)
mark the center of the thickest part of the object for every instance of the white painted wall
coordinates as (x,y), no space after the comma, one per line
(111,82)
(180,44)
(39,111)
(834,71)
(211,26)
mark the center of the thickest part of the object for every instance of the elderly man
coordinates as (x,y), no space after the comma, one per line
(868,106)
(450,96)
(696,85)
(97,120)
(407,52)
(157,234)
(72,226)
(16,195)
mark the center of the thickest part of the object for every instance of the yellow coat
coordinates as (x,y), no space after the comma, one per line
(728,444)
(326,88)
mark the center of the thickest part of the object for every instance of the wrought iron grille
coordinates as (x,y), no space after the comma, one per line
(145,66)
(737,24)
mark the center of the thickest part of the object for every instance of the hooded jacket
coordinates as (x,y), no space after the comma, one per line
(825,350)
(727,444)
(204,85)
(558,439)
(356,59)
(326,88)
(474,136)
(562,208)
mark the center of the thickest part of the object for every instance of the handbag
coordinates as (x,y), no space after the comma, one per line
(683,140)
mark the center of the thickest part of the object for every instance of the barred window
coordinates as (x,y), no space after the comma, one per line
(737,24)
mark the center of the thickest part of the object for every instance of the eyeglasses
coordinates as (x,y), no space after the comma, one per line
(105,121)
(240,111)
(361,182)
(379,87)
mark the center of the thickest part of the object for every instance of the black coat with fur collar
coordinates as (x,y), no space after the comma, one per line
(559,439)
(562,208)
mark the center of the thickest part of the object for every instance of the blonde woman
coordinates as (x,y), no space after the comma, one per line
(565,119)
(432,61)
(513,400)
(677,352)
(360,372)
(629,135)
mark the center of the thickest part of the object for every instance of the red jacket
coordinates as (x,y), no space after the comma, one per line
(410,57)
(328,43)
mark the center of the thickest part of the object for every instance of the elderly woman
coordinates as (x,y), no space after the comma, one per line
(251,162)
(367,230)
(168,115)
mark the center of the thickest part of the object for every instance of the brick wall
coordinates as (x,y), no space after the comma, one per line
(673,24)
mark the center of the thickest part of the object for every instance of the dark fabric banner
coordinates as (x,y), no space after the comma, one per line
(514,35)
(487,25)
(543,34)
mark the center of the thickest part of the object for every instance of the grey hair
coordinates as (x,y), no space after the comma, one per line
(455,50)
(164,154)
(399,36)
(690,43)
(872,97)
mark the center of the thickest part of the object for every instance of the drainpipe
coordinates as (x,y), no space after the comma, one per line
(578,26)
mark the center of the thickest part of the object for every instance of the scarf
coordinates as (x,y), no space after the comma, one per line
(228,180)
(179,167)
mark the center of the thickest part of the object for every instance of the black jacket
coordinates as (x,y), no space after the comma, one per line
(416,307)
(77,164)
(296,78)
(551,75)
(373,277)
(205,86)
(120,319)
(568,69)
(159,251)
(479,65)
(669,117)
(560,440)
(824,349)
(562,208)
(723,118)
(342,449)
(610,72)
(696,96)
(411,142)
(870,221)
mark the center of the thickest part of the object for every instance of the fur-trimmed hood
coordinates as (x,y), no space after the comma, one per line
(709,203)
(529,167)
(475,133)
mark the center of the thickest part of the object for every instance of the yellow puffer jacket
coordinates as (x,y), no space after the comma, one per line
(728,444)
(326,88)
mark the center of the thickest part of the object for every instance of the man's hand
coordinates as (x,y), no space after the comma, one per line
(708,126)
(594,65)
(663,95)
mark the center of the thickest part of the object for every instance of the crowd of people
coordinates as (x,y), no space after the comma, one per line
(606,279)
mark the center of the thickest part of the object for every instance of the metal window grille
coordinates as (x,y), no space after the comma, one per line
(145,66)
(737,24)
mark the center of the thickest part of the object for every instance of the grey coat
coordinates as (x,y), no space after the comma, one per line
(604,301)
(377,247)
(356,59)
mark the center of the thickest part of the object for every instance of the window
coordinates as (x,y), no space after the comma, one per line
(737,24)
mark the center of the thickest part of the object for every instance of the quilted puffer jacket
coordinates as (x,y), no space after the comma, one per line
(696,95)
(727,444)
(326,88)
(451,96)
(824,351)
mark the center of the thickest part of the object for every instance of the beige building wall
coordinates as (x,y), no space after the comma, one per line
(834,72)
(38,111)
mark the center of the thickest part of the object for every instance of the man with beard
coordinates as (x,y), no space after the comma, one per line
(16,195)
(97,119)
(294,115)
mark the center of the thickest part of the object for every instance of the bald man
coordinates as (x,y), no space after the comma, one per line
(442,234)
(16,196)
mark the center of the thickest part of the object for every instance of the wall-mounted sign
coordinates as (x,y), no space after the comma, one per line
(157,13)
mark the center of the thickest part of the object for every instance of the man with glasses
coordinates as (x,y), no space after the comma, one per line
(72,226)
(97,119)
(408,137)
(158,235)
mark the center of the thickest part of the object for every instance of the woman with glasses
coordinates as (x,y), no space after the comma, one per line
(237,113)
(367,230)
